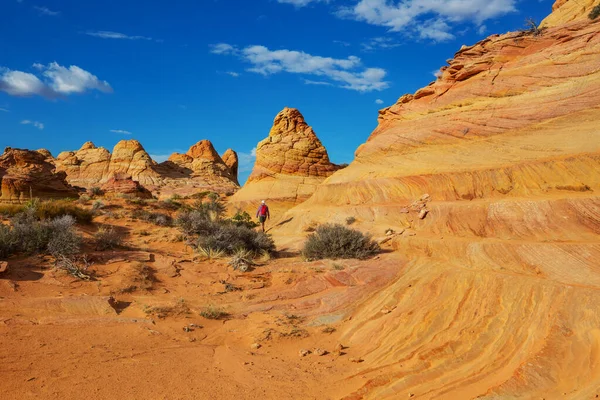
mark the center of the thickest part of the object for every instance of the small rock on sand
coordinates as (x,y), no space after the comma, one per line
(304,352)
(356,360)
(423,213)
(255,346)
(319,352)
(3,266)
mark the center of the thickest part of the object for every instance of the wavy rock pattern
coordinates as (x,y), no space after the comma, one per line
(500,298)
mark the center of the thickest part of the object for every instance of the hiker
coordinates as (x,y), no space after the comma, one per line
(263,214)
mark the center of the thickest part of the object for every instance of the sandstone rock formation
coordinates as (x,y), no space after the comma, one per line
(86,167)
(290,163)
(130,160)
(500,294)
(127,186)
(25,174)
(230,158)
(200,168)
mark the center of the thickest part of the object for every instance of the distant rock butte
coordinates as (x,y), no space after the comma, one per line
(499,296)
(26,173)
(290,163)
(200,168)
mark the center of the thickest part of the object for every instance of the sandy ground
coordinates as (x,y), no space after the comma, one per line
(135,335)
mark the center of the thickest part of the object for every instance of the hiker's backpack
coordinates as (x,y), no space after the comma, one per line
(263,210)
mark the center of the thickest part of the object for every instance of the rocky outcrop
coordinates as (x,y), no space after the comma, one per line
(130,160)
(200,168)
(125,186)
(85,168)
(26,174)
(290,163)
(497,295)
(230,158)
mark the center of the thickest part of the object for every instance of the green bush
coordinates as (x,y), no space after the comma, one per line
(337,241)
(242,218)
(96,191)
(28,235)
(594,13)
(153,217)
(222,235)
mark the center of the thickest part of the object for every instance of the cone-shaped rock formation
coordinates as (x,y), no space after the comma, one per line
(290,163)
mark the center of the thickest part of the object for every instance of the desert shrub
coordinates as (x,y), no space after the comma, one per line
(64,241)
(222,235)
(59,208)
(75,266)
(336,241)
(153,217)
(84,198)
(28,235)
(8,241)
(97,205)
(230,238)
(350,220)
(169,204)
(213,312)
(96,191)
(242,218)
(108,238)
(10,210)
(594,13)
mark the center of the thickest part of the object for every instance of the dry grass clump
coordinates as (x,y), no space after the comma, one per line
(178,309)
(76,267)
(108,238)
(156,218)
(141,277)
(213,312)
(334,241)
(48,210)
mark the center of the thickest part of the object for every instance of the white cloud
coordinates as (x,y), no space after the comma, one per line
(4,110)
(223,48)
(437,73)
(482,29)
(318,83)
(347,73)
(426,19)
(378,101)
(301,3)
(116,35)
(37,124)
(246,160)
(120,131)
(46,11)
(341,43)
(376,43)
(234,74)
(57,81)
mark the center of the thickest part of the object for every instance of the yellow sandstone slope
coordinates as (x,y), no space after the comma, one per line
(490,178)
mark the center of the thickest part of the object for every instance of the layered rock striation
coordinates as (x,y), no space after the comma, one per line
(26,174)
(290,163)
(499,294)
(201,168)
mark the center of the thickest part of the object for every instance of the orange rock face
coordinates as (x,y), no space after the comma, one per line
(200,169)
(86,167)
(230,158)
(25,174)
(115,186)
(292,148)
(500,294)
(290,163)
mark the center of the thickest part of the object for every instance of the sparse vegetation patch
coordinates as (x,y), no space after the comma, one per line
(335,241)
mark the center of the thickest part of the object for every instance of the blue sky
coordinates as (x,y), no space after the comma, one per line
(170,73)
